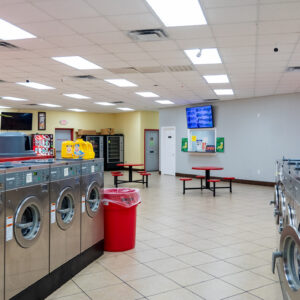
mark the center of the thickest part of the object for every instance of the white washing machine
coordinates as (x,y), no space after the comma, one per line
(64,211)
(92,219)
(27,227)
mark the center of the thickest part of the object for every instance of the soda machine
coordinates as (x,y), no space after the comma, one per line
(42,144)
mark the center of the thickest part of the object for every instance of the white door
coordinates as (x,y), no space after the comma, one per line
(61,135)
(168,149)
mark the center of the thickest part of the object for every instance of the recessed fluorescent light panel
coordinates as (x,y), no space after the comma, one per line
(221,92)
(4,107)
(125,108)
(121,82)
(49,105)
(105,103)
(76,109)
(216,78)
(77,62)
(36,85)
(204,56)
(11,32)
(76,96)
(147,94)
(13,98)
(164,102)
(178,12)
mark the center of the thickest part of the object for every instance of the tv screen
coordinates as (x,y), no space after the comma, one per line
(200,117)
(16,121)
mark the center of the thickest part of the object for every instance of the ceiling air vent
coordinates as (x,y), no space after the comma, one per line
(148,35)
(210,100)
(8,45)
(32,104)
(2,81)
(293,69)
(184,68)
(85,77)
(117,102)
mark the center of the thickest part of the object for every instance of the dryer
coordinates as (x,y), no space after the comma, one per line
(27,226)
(64,211)
(92,219)
(2,226)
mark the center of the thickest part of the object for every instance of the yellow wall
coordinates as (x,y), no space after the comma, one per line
(131,124)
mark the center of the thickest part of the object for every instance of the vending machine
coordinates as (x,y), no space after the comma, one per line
(113,151)
(42,144)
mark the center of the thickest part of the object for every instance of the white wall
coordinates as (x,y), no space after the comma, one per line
(257,132)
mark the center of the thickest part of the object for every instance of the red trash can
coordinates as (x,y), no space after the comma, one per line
(120,218)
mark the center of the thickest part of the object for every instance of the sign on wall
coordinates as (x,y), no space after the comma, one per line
(220,144)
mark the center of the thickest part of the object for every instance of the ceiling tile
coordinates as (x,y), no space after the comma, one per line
(158,45)
(122,48)
(109,37)
(234,29)
(280,11)
(222,3)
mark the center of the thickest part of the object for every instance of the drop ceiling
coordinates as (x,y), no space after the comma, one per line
(245,32)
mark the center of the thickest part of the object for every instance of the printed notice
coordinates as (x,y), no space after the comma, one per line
(53,215)
(66,171)
(9,228)
(93,169)
(28,177)
(194,138)
(83,204)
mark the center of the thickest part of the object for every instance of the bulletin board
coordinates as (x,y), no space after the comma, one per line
(202,140)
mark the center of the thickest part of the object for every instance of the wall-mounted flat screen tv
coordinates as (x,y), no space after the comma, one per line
(16,121)
(200,117)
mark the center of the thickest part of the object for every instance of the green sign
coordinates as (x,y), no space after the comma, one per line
(220,144)
(184,144)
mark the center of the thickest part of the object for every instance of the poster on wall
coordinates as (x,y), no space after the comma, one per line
(184,144)
(41,121)
(202,140)
(220,144)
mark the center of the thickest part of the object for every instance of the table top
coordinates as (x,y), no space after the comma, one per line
(130,165)
(207,168)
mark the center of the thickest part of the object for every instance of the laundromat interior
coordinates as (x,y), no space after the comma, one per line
(149,149)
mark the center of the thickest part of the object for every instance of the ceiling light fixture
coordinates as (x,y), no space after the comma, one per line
(207,56)
(178,12)
(76,96)
(11,32)
(121,82)
(77,62)
(221,92)
(216,78)
(147,94)
(164,101)
(105,103)
(49,105)
(13,98)
(125,108)
(4,107)
(36,85)
(76,109)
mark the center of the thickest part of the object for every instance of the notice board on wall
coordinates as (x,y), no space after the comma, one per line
(202,140)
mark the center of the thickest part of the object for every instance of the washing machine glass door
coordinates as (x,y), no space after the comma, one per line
(93,199)
(28,222)
(65,209)
(290,249)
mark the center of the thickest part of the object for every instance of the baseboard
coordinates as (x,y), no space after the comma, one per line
(48,284)
(237,180)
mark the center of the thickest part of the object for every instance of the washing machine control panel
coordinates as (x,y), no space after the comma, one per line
(91,167)
(65,171)
(2,182)
(29,177)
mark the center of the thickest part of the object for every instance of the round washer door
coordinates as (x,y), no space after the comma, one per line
(93,199)
(28,222)
(290,262)
(65,209)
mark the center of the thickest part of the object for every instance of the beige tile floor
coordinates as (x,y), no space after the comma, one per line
(191,246)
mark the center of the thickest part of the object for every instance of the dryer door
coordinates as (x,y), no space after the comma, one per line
(93,199)
(290,262)
(28,222)
(65,209)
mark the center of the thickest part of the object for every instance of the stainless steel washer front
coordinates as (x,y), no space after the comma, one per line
(65,212)
(2,227)
(290,262)
(92,220)
(27,227)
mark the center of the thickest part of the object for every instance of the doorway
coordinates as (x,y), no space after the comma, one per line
(168,150)
(61,135)
(151,149)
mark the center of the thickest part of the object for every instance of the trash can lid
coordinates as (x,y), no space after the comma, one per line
(122,196)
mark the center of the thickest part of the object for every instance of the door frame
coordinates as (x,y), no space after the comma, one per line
(71,129)
(163,128)
(145,130)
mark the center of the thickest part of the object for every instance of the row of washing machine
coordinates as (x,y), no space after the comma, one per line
(287,217)
(51,213)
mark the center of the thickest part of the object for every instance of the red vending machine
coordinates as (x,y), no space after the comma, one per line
(42,144)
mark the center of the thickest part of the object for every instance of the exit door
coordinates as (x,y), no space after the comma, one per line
(62,135)
(151,150)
